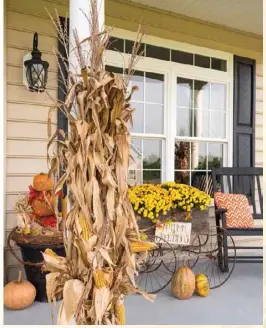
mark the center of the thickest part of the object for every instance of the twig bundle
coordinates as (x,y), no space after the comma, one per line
(100,233)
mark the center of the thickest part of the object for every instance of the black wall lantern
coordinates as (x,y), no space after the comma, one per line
(36,69)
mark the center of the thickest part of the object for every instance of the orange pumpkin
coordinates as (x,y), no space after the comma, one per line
(19,294)
(41,182)
(43,206)
(183,283)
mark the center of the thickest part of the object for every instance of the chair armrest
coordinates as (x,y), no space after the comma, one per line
(220,211)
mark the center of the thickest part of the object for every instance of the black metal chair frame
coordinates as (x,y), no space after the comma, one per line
(240,180)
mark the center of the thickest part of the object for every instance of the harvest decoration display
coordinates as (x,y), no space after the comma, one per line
(37,210)
(153,201)
(37,228)
(101,234)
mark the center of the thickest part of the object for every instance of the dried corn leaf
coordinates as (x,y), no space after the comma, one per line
(101,301)
(72,293)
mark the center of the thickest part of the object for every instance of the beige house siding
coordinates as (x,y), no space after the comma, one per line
(26,112)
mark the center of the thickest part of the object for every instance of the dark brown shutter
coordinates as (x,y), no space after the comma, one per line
(244,112)
(244,115)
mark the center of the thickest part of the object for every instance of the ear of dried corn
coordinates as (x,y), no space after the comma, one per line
(141,246)
(99,265)
(120,311)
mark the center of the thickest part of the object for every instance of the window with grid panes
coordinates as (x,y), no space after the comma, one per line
(182,118)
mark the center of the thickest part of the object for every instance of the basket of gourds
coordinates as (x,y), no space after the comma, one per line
(37,230)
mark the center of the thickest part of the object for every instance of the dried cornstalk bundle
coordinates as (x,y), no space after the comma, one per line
(100,232)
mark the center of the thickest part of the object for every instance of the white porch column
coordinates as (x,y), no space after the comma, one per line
(78,10)
(79,16)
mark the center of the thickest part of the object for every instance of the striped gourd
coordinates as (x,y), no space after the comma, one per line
(202,285)
(183,283)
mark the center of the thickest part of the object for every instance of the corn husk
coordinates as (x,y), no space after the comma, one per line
(99,267)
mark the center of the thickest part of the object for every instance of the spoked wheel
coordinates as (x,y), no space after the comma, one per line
(188,255)
(212,261)
(157,269)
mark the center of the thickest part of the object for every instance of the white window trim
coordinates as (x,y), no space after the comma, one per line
(171,70)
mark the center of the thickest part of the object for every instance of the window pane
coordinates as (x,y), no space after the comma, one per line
(182,155)
(134,177)
(182,177)
(217,124)
(138,117)
(129,48)
(116,44)
(202,181)
(202,61)
(215,155)
(218,96)
(218,64)
(152,154)
(113,69)
(184,122)
(201,123)
(135,161)
(181,57)
(157,52)
(154,119)
(154,92)
(137,80)
(184,92)
(201,94)
(151,176)
(198,155)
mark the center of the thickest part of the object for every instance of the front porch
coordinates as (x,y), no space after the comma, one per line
(238,302)
(192,100)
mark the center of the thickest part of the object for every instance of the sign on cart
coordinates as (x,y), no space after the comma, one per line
(178,233)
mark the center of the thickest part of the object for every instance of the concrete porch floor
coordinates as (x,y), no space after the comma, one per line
(238,302)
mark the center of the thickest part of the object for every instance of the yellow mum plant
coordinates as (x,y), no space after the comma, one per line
(151,201)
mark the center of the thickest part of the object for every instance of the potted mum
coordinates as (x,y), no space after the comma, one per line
(38,228)
(167,202)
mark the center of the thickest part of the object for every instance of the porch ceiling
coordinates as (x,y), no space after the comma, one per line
(243,15)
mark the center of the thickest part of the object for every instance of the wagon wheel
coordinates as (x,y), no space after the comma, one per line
(188,255)
(211,260)
(157,270)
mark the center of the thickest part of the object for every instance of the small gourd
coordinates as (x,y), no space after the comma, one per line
(202,285)
(19,294)
(41,182)
(183,283)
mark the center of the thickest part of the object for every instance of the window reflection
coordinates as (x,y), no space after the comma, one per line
(182,155)
(218,97)
(137,80)
(198,155)
(201,95)
(154,88)
(194,161)
(154,118)
(138,117)
(215,155)
(151,154)
(145,162)
(184,92)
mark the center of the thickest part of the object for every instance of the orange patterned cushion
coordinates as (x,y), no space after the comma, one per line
(238,213)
